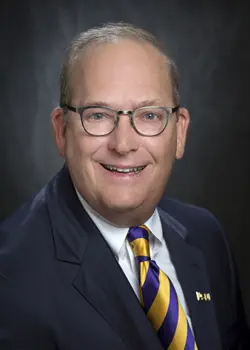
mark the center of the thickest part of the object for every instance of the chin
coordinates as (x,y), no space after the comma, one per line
(123,205)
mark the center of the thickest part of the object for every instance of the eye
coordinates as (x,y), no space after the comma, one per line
(96,116)
(150,116)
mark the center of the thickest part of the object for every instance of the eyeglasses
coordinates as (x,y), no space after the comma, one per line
(101,121)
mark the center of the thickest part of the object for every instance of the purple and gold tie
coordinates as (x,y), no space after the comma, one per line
(158,296)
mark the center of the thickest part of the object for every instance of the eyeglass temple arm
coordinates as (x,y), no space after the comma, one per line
(73,109)
(175,109)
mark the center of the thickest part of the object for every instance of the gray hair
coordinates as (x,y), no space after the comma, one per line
(111,33)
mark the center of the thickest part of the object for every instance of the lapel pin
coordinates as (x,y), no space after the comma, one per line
(203,296)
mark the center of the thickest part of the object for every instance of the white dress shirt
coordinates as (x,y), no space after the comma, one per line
(116,239)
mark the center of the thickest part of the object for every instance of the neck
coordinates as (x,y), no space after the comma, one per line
(129,218)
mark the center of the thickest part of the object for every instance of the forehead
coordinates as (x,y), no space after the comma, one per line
(120,72)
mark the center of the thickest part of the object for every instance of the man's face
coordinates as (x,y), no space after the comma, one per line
(124,76)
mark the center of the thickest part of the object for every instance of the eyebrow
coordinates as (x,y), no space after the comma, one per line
(135,105)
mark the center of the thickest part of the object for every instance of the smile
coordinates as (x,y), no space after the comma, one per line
(135,170)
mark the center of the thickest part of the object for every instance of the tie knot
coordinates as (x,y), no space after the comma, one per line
(138,239)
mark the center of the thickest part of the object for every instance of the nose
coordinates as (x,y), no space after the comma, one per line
(124,138)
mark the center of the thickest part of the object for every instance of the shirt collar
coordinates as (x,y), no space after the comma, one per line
(114,235)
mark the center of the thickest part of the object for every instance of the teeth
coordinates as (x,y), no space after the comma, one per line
(124,170)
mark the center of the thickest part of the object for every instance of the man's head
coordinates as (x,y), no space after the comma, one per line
(122,175)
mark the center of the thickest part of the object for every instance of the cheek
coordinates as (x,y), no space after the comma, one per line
(163,150)
(78,158)
(81,150)
(74,147)
(164,159)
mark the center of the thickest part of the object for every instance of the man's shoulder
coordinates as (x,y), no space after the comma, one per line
(26,241)
(26,227)
(29,212)
(203,231)
(195,219)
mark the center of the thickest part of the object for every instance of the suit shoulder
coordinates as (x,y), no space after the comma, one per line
(203,231)
(30,211)
(24,229)
(192,217)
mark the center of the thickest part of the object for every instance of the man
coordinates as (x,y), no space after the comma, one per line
(99,259)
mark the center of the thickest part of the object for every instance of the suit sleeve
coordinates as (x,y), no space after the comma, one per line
(242,328)
(21,328)
(237,337)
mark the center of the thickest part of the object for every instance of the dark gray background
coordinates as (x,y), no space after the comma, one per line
(210,43)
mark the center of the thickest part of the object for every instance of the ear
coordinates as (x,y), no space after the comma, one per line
(182,128)
(59,126)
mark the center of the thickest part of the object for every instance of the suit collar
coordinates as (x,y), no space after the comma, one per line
(174,224)
(67,218)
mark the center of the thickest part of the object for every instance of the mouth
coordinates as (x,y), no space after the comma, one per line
(128,170)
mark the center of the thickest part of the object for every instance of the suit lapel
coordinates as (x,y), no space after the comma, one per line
(191,271)
(102,282)
(99,278)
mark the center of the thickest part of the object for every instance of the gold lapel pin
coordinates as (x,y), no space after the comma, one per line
(203,296)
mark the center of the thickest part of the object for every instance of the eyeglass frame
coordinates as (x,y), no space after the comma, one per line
(130,113)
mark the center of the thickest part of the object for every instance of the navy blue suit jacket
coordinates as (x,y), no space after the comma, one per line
(62,288)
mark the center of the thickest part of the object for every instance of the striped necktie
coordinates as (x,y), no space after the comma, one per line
(158,296)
